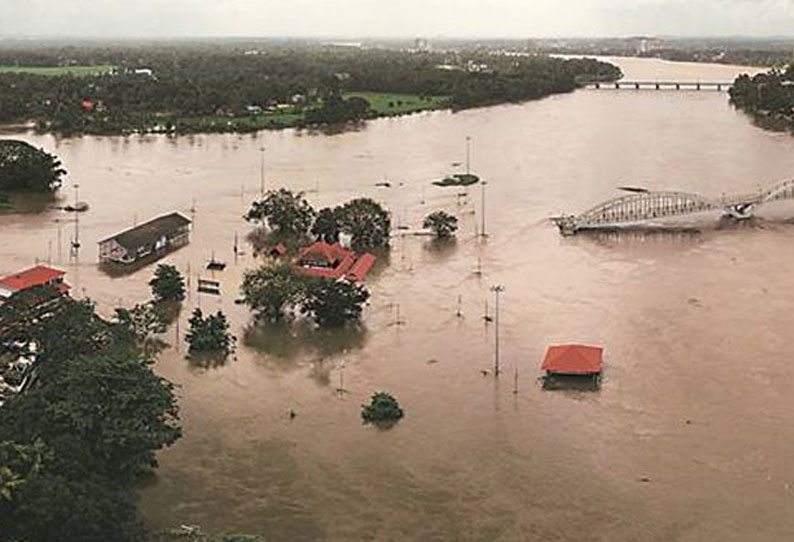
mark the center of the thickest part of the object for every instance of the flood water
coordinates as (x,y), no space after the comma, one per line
(689,436)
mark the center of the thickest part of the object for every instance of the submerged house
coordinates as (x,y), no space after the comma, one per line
(334,262)
(573,360)
(147,241)
(27,279)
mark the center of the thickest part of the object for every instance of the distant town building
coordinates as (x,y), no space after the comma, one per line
(150,240)
(143,71)
(478,67)
(38,275)
(334,262)
(421,45)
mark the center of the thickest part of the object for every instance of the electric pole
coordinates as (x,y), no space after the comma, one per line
(496,289)
(262,172)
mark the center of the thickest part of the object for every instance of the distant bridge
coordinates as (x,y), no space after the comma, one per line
(645,208)
(663,85)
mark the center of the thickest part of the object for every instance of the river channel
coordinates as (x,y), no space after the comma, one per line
(689,435)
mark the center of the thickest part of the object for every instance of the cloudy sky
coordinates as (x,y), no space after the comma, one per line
(405,18)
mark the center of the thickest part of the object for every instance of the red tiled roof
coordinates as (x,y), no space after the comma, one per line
(348,263)
(362,266)
(35,276)
(279,249)
(324,251)
(573,359)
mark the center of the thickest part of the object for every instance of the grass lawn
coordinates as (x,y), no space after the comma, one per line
(251,122)
(384,103)
(79,71)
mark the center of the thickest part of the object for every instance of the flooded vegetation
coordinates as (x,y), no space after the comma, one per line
(694,407)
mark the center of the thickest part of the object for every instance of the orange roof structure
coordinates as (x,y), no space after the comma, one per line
(575,359)
(362,266)
(333,261)
(37,275)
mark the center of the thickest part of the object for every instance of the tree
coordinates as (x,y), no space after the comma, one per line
(209,335)
(383,410)
(167,284)
(285,212)
(441,223)
(269,289)
(140,323)
(74,443)
(334,303)
(367,222)
(19,464)
(25,168)
(326,225)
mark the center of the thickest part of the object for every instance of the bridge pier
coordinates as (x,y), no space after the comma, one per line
(598,85)
(617,85)
(657,86)
(678,86)
(637,86)
(697,87)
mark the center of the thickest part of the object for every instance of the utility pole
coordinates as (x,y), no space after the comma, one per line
(496,289)
(468,154)
(262,172)
(76,240)
(482,211)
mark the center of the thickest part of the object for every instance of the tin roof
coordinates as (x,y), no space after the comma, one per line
(149,232)
(573,359)
(28,278)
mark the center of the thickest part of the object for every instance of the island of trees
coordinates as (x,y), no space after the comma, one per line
(768,97)
(239,87)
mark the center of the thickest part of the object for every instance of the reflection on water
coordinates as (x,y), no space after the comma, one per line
(571,382)
(441,248)
(286,341)
(630,237)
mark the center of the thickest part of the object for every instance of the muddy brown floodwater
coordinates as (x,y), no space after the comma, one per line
(690,437)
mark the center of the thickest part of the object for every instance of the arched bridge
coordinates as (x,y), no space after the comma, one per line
(643,208)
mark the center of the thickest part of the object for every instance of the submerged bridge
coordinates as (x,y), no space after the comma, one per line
(643,208)
(664,85)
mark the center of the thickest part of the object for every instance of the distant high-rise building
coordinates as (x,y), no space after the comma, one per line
(421,44)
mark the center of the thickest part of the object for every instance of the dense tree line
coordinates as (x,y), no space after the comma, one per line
(768,96)
(24,168)
(74,442)
(189,82)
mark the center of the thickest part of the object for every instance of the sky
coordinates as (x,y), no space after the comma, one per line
(395,18)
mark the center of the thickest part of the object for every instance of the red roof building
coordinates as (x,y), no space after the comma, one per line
(573,359)
(38,275)
(361,267)
(333,261)
(277,250)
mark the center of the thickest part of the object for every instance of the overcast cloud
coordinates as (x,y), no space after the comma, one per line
(448,18)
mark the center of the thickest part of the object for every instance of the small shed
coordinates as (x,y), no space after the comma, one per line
(573,359)
(277,250)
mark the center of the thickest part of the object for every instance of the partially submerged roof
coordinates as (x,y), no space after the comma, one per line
(149,232)
(573,359)
(362,266)
(333,261)
(33,276)
(326,252)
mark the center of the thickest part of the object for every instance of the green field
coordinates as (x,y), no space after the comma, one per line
(247,123)
(80,71)
(384,103)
